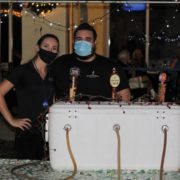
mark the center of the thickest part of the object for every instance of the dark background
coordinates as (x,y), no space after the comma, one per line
(127,30)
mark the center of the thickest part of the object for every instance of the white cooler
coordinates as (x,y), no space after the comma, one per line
(94,142)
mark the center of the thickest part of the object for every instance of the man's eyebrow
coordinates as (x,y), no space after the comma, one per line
(84,37)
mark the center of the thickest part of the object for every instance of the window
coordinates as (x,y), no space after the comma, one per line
(127,31)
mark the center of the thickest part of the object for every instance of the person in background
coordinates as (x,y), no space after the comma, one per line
(124,57)
(140,82)
(91,71)
(173,84)
(34,91)
(124,60)
(138,62)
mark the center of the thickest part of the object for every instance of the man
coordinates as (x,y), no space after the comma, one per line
(173,84)
(87,74)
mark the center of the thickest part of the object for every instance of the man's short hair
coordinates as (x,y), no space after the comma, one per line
(85,26)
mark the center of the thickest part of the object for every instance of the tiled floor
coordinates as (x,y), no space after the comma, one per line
(43,171)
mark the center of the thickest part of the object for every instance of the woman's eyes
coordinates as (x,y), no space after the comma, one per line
(47,47)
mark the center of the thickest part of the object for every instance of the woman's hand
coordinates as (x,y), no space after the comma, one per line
(23,123)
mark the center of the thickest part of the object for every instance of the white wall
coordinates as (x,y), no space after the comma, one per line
(31,31)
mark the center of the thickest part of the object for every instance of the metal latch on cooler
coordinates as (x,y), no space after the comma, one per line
(161,114)
(72,113)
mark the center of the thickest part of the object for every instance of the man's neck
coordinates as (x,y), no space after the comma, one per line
(92,58)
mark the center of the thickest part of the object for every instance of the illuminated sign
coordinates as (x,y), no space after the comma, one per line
(134,7)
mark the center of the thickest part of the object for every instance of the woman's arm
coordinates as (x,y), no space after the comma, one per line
(5,87)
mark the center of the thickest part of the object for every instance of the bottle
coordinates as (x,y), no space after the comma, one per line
(74,73)
(114,82)
(162,87)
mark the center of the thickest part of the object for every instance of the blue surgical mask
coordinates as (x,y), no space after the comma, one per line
(83,48)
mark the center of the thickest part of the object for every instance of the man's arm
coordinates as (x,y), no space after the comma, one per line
(124,95)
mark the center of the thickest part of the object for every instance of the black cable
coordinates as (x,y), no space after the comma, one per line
(24,176)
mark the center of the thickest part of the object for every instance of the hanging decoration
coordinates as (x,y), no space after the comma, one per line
(41,8)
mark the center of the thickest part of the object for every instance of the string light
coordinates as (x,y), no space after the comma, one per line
(42,8)
(75,26)
(6,12)
(164,38)
(40,17)
(16,9)
(159,38)
(37,8)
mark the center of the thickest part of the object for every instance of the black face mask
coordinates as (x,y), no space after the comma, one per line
(47,56)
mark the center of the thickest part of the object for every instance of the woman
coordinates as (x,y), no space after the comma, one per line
(124,60)
(138,62)
(34,93)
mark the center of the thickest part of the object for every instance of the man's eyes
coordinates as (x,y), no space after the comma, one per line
(86,39)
